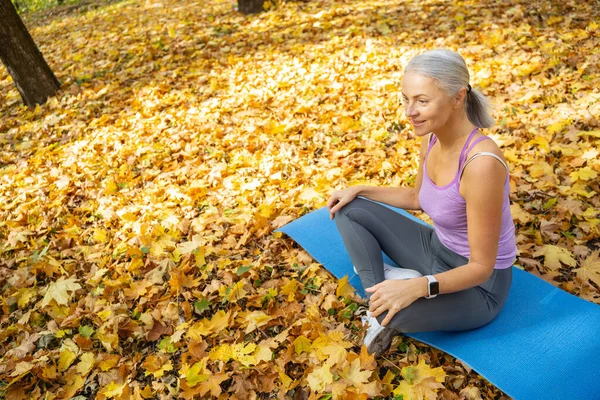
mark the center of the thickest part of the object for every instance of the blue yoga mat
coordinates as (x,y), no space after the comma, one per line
(544,344)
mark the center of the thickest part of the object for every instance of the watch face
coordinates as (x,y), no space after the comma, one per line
(434,288)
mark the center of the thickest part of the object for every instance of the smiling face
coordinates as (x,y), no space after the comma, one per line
(426,105)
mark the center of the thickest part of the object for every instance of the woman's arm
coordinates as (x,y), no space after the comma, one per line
(482,185)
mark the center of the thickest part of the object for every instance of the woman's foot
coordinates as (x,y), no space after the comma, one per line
(373,330)
(377,338)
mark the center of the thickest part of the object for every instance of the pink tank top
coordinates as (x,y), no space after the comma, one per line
(448,210)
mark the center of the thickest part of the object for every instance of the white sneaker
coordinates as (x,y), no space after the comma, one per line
(390,272)
(374,328)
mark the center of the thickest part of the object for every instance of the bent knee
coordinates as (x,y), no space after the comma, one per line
(357,203)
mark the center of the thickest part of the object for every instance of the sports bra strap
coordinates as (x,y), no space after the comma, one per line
(484,153)
(432,139)
(475,142)
(464,151)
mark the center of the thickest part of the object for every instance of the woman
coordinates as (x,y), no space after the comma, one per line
(461,277)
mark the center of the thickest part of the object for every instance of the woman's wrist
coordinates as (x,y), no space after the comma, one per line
(359,190)
(363,190)
(422,286)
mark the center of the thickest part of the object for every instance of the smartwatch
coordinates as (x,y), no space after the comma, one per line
(433,287)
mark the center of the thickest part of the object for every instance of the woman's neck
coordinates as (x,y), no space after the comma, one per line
(454,133)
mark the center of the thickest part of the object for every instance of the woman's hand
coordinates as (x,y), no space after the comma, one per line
(340,198)
(394,295)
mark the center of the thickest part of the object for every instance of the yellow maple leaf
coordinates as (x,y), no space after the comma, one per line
(72,386)
(284,378)
(59,291)
(556,127)
(24,296)
(420,382)
(100,236)
(86,364)
(301,344)
(223,352)
(195,374)
(425,390)
(290,289)
(540,169)
(237,292)
(157,365)
(541,142)
(334,352)
(386,381)
(188,247)
(584,174)
(22,368)
(528,69)
(263,352)
(354,375)
(581,190)
(519,214)
(212,384)
(590,268)
(206,327)
(65,360)
(554,256)
(109,340)
(199,257)
(108,361)
(110,187)
(68,354)
(590,213)
(595,134)
(344,288)
(245,353)
(320,378)
(113,389)
(256,319)
(242,352)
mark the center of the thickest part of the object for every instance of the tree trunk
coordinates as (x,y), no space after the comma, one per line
(24,62)
(250,6)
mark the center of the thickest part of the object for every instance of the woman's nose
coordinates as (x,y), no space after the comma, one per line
(410,110)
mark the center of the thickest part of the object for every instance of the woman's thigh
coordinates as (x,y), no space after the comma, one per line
(458,311)
(405,241)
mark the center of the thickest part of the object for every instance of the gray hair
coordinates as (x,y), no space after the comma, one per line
(450,72)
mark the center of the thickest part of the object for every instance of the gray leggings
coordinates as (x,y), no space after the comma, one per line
(368,228)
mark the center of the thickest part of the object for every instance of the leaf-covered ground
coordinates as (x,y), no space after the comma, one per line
(138,257)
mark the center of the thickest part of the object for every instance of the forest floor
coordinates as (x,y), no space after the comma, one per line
(138,256)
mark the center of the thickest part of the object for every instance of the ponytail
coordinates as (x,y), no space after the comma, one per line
(477,108)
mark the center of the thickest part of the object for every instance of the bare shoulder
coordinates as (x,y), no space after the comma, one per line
(488,145)
(484,169)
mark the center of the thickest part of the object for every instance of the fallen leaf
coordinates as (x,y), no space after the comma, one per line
(59,292)
(590,268)
(554,256)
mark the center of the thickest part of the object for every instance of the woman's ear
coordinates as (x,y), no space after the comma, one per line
(460,97)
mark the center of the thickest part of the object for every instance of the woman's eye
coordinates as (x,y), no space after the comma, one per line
(422,101)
